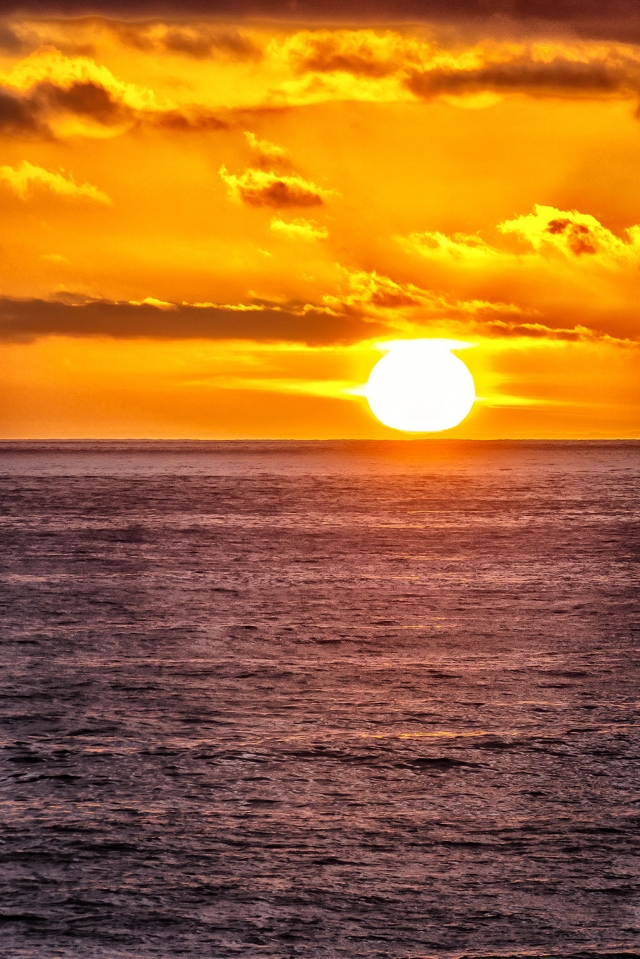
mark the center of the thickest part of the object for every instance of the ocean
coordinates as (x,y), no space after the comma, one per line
(317,700)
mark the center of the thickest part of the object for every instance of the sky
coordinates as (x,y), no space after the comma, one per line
(215,217)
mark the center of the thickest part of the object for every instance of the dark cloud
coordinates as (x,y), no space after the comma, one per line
(26,40)
(201,42)
(10,42)
(558,77)
(562,67)
(562,74)
(19,116)
(26,320)
(195,120)
(540,9)
(196,40)
(87,99)
(558,226)
(279,194)
(580,238)
(605,19)
(611,72)
(33,113)
(326,54)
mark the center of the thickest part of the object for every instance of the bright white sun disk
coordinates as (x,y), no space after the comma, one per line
(420,387)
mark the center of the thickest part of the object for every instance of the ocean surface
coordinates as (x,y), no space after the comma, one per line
(319,700)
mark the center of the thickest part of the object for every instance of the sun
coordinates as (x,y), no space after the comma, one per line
(420,387)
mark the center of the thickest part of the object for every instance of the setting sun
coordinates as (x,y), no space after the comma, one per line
(420,387)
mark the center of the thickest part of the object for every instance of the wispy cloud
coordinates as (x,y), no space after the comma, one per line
(299,229)
(270,156)
(411,310)
(265,188)
(27,178)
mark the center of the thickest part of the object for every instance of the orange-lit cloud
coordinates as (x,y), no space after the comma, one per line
(265,188)
(299,229)
(575,234)
(298,67)
(568,265)
(26,178)
(269,155)
(428,69)
(51,94)
(417,312)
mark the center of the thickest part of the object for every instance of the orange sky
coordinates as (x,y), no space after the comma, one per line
(210,229)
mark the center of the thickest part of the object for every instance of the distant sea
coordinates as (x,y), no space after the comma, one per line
(325,699)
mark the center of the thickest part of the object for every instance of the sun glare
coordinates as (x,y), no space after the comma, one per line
(420,387)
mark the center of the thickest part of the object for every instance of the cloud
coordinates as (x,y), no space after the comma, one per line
(203,40)
(406,305)
(558,11)
(50,94)
(369,291)
(198,41)
(565,270)
(370,306)
(28,177)
(265,188)
(26,320)
(364,53)
(273,183)
(536,71)
(615,20)
(49,65)
(185,119)
(558,67)
(407,309)
(10,42)
(299,229)
(458,247)
(282,69)
(269,155)
(574,234)
(47,110)
(19,116)
(547,230)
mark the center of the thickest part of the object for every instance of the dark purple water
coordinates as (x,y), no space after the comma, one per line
(319,700)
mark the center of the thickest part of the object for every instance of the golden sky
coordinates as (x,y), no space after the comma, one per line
(210,228)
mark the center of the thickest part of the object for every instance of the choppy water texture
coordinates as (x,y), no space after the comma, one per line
(319,700)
